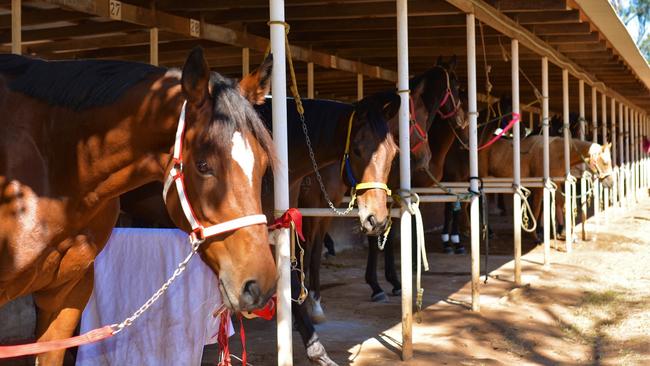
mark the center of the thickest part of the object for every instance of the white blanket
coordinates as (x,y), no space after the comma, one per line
(174,330)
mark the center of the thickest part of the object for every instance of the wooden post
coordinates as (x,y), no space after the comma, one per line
(245,61)
(359,86)
(153,46)
(310,80)
(621,156)
(16,25)
(615,147)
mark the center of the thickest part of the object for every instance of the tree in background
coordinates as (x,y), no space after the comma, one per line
(636,11)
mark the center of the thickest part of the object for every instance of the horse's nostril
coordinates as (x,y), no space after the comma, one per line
(372,220)
(251,294)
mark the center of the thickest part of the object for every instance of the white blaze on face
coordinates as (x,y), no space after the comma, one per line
(243,154)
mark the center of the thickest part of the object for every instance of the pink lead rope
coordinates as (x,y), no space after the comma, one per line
(515,118)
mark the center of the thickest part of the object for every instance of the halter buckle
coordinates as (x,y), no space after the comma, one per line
(197,235)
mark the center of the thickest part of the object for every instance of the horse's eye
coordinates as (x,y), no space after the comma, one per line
(203,167)
(356,151)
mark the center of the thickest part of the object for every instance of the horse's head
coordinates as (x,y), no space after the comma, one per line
(600,163)
(372,150)
(225,150)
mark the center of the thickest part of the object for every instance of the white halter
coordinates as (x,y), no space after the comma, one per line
(199,232)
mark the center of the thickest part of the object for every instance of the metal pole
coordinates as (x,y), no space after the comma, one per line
(621,157)
(568,225)
(603,111)
(516,172)
(153,46)
(581,107)
(310,80)
(16,41)
(245,61)
(614,154)
(359,86)
(627,153)
(546,159)
(281,182)
(473,160)
(405,178)
(594,139)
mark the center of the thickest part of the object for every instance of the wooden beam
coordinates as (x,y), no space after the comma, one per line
(40,16)
(153,46)
(16,27)
(192,27)
(89,29)
(547,17)
(536,5)
(560,29)
(500,22)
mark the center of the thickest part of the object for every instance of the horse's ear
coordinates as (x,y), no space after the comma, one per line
(607,146)
(196,77)
(391,107)
(452,63)
(257,85)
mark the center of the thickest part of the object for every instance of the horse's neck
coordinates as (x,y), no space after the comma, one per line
(441,138)
(579,150)
(130,143)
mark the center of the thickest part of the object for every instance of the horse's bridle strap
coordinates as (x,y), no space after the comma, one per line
(199,232)
(373,185)
(347,143)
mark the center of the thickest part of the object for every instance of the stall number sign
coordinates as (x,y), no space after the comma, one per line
(195,28)
(115,9)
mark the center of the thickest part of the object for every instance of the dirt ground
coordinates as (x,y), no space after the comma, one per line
(590,307)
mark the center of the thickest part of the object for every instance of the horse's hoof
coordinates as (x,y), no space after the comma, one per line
(380,297)
(317,354)
(397,291)
(315,311)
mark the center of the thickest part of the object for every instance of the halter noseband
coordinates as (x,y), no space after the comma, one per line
(345,166)
(199,232)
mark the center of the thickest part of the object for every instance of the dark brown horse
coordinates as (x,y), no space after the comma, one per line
(434,94)
(78,134)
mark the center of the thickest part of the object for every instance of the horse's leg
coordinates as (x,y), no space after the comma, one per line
(390,269)
(378,295)
(320,230)
(455,233)
(58,313)
(446,229)
(315,350)
(329,244)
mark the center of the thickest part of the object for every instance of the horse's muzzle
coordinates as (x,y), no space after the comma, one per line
(372,226)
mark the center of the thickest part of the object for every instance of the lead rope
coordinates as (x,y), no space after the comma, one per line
(421,250)
(552,188)
(298,265)
(527,215)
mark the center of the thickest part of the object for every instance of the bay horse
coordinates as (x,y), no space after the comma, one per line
(327,122)
(78,134)
(435,94)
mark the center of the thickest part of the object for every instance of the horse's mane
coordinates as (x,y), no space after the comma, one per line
(79,84)
(320,116)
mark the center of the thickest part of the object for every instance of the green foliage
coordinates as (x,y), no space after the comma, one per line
(639,10)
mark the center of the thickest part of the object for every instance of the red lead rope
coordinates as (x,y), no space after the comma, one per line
(515,119)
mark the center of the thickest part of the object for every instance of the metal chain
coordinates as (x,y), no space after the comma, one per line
(118,327)
(320,179)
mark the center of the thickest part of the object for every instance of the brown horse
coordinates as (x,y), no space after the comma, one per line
(327,123)
(435,93)
(78,134)
(496,161)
